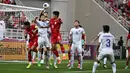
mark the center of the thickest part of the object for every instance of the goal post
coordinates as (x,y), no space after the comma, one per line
(12,42)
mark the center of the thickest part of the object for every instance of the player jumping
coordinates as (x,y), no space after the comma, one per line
(55,24)
(43,41)
(31,30)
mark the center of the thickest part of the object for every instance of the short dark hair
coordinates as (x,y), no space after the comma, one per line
(57,13)
(106,28)
(77,21)
(121,37)
(27,23)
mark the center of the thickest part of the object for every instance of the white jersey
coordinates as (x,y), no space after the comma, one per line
(100,33)
(77,35)
(42,32)
(106,40)
(2,28)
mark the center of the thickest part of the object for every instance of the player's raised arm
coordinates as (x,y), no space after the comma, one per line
(37,21)
(99,43)
(96,38)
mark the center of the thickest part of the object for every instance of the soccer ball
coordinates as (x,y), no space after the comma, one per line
(46,5)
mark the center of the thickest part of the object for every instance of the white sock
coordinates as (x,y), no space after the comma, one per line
(95,65)
(43,56)
(30,62)
(55,59)
(105,60)
(63,54)
(34,55)
(39,55)
(58,58)
(114,67)
(72,60)
(81,60)
(51,55)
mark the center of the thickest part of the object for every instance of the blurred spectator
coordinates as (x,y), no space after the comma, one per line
(120,42)
(12,2)
(127,10)
(122,8)
(6,1)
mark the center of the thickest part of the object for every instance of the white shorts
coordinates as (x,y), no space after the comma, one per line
(110,56)
(43,42)
(77,47)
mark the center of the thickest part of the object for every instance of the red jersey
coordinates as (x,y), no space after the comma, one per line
(55,25)
(128,37)
(31,33)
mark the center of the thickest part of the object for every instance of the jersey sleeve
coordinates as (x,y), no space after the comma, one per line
(71,31)
(99,33)
(100,39)
(60,21)
(38,23)
(83,31)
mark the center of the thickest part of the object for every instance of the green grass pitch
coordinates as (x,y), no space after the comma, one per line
(62,68)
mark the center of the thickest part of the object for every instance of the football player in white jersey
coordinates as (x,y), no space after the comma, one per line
(43,41)
(76,38)
(106,41)
(2,29)
(96,38)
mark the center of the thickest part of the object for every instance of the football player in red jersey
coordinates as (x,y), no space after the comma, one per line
(128,48)
(55,24)
(31,30)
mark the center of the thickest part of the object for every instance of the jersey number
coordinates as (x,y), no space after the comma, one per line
(108,44)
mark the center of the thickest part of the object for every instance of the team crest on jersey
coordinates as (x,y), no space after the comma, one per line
(76,32)
(55,22)
(79,30)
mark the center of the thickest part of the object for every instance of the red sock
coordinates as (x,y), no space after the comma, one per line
(29,56)
(78,60)
(69,55)
(56,52)
(62,49)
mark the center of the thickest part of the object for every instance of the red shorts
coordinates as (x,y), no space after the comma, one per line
(55,38)
(33,43)
(129,50)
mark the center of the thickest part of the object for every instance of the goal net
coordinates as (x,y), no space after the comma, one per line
(12,43)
